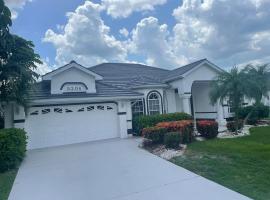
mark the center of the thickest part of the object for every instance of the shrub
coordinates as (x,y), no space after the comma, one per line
(141,122)
(155,134)
(231,125)
(207,128)
(184,127)
(12,148)
(172,140)
(261,111)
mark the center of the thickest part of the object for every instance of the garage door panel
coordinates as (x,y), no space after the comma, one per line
(59,125)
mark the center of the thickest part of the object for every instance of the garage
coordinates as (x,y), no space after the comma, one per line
(59,125)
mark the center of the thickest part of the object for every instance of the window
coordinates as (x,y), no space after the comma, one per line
(154,103)
(45,111)
(34,113)
(137,107)
(109,108)
(90,108)
(100,107)
(81,110)
(58,110)
(68,110)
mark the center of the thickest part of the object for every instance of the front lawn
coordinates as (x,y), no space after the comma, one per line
(241,164)
(6,182)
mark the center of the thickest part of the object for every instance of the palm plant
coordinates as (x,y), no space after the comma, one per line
(258,81)
(230,86)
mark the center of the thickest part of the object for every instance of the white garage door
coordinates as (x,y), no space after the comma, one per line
(59,125)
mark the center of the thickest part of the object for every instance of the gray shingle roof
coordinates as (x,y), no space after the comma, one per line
(119,79)
(128,75)
(178,72)
(42,91)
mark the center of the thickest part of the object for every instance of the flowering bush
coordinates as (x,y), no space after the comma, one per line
(208,128)
(156,134)
(184,127)
(176,125)
(151,120)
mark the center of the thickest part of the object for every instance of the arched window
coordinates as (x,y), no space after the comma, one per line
(154,103)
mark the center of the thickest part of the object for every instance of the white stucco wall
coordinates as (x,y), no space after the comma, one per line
(72,75)
(201,98)
(203,73)
(170,101)
(19,116)
(8,115)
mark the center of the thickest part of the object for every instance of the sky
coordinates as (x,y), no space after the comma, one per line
(162,33)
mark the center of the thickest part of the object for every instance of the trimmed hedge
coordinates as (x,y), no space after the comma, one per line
(172,140)
(184,127)
(141,122)
(231,125)
(207,128)
(158,133)
(12,148)
(155,134)
(260,112)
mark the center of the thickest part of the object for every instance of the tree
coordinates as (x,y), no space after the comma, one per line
(258,81)
(230,86)
(18,62)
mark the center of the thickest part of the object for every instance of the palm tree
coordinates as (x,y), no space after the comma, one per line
(258,81)
(230,86)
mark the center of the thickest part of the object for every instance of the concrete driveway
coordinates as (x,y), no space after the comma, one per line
(107,170)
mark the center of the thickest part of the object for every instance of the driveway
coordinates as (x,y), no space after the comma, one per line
(109,170)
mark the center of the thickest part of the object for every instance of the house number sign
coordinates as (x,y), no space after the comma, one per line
(74,87)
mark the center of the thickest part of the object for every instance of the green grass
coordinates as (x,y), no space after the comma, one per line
(241,164)
(6,182)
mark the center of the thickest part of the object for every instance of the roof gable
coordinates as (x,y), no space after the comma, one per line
(68,66)
(183,71)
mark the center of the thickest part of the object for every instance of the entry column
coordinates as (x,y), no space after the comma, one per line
(186,103)
(122,116)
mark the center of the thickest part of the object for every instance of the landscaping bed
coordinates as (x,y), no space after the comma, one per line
(241,164)
(6,182)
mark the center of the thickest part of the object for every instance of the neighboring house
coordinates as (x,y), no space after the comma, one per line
(75,104)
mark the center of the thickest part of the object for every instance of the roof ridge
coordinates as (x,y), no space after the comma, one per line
(204,59)
(138,64)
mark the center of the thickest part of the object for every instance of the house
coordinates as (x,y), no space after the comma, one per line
(75,104)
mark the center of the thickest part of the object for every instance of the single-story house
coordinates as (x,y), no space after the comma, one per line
(75,104)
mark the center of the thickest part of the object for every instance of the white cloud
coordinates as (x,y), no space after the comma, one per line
(86,38)
(124,8)
(152,39)
(226,32)
(124,32)
(222,30)
(44,67)
(15,5)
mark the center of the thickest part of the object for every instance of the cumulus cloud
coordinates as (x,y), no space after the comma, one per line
(152,39)
(124,32)
(44,67)
(226,32)
(86,38)
(15,5)
(222,30)
(124,8)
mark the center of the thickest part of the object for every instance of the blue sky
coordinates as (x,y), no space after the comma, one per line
(164,33)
